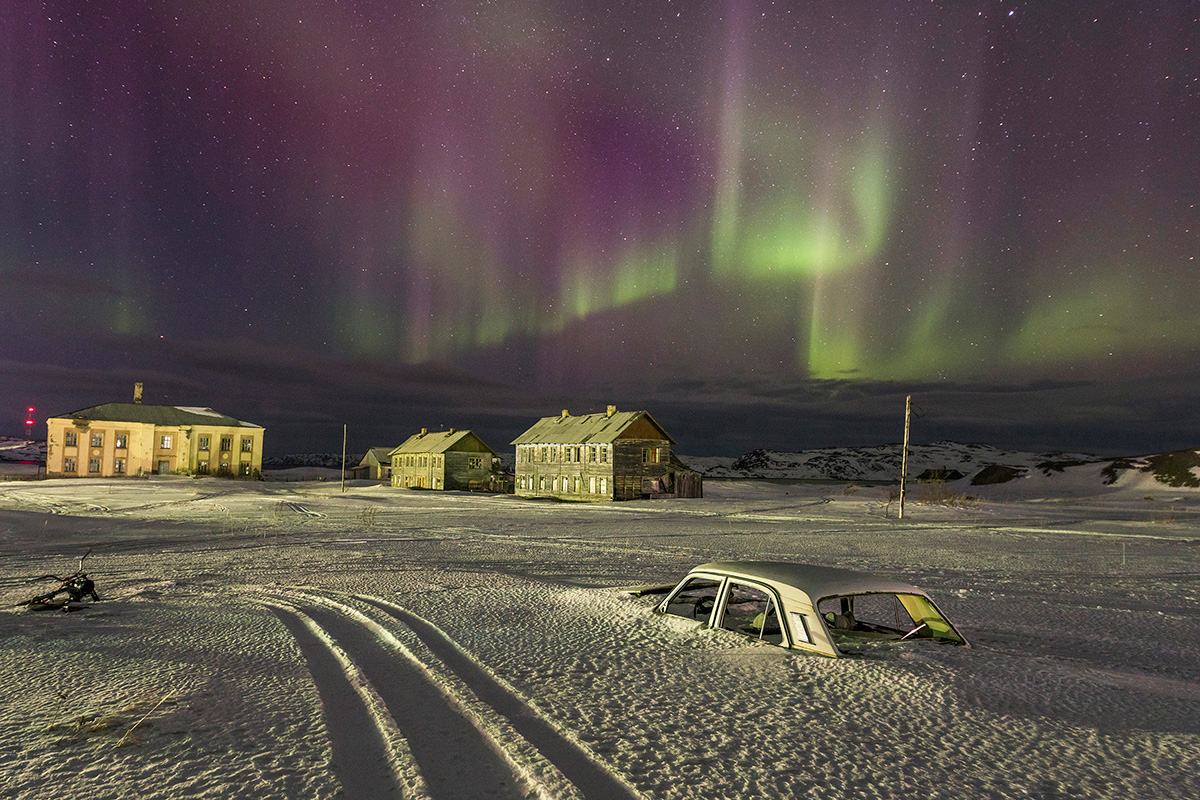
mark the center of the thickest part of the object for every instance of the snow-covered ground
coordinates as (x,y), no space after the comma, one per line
(293,640)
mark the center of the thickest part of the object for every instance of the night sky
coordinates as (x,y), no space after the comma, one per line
(764,222)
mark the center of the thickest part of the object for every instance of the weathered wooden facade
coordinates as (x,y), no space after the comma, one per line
(617,455)
(376,465)
(120,439)
(443,460)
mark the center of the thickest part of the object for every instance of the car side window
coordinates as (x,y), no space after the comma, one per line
(695,599)
(753,612)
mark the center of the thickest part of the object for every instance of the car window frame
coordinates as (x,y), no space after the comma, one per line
(717,616)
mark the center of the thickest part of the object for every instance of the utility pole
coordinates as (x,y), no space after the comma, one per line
(904,455)
(344,457)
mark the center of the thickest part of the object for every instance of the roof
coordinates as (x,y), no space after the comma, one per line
(382,455)
(815,581)
(437,442)
(156,415)
(586,429)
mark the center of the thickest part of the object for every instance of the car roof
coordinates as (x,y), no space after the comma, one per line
(816,581)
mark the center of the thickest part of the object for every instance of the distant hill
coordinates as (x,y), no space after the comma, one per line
(973,464)
(12,449)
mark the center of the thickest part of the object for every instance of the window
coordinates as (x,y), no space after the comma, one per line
(578,454)
(118,466)
(604,486)
(603,454)
(650,455)
(202,443)
(247,444)
(245,469)
(68,465)
(752,611)
(122,439)
(883,616)
(592,484)
(97,439)
(165,442)
(696,599)
(475,462)
(202,467)
(94,465)
(226,444)
(70,440)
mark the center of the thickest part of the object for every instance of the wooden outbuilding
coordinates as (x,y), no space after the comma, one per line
(617,455)
(376,465)
(443,460)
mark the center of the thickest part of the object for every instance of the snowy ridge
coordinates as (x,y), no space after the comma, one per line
(975,464)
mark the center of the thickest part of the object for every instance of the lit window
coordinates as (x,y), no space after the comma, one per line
(246,468)
(247,444)
(121,441)
(202,443)
(118,466)
(165,442)
(97,440)
(93,465)
(475,462)
(68,465)
(70,440)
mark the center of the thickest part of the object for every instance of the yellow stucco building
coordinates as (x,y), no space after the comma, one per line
(118,439)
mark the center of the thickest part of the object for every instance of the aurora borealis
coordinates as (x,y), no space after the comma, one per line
(762,221)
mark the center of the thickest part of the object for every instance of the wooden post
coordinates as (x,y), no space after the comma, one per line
(904,454)
(343,457)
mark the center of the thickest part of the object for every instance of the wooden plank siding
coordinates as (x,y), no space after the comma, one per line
(600,457)
(455,460)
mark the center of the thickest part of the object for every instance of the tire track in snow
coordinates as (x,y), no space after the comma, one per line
(369,756)
(455,759)
(592,779)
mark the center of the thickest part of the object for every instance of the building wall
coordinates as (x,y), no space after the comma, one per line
(419,470)
(149,449)
(582,472)
(467,470)
(592,473)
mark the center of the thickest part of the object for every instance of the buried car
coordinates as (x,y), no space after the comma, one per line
(818,609)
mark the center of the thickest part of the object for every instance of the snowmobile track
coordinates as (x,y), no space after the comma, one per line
(592,779)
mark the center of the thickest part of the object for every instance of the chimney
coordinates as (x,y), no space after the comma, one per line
(565,414)
(611,410)
(424,431)
(137,392)
(452,430)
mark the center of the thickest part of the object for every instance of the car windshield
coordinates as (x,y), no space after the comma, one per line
(884,616)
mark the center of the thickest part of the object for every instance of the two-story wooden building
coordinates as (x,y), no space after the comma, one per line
(118,439)
(617,455)
(443,460)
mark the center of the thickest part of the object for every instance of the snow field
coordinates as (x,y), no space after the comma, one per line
(1082,681)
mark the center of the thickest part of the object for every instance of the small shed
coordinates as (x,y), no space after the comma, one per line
(376,464)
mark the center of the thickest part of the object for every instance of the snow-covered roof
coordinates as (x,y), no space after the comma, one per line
(589,428)
(441,441)
(156,415)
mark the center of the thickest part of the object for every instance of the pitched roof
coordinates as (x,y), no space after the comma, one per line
(437,442)
(382,455)
(156,415)
(586,429)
